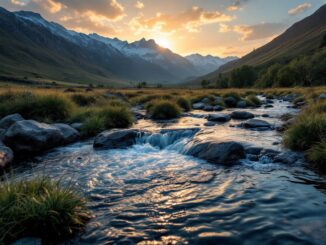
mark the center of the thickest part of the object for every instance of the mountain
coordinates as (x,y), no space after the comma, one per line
(34,48)
(209,63)
(301,38)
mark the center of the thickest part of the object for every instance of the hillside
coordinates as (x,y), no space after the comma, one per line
(32,48)
(300,38)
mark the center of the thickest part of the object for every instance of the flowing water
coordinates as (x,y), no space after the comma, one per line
(151,193)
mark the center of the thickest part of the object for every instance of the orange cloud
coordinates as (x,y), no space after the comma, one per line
(190,19)
(139,5)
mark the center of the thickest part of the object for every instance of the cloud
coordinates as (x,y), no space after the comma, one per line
(19,2)
(254,32)
(299,9)
(236,5)
(139,5)
(190,19)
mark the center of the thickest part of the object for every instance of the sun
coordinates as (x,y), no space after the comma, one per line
(163,42)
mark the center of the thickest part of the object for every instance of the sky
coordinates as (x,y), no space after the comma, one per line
(216,27)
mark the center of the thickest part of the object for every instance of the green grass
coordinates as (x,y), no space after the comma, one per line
(83,100)
(46,108)
(42,208)
(252,100)
(163,109)
(317,155)
(184,103)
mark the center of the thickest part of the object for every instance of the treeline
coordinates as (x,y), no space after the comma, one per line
(305,70)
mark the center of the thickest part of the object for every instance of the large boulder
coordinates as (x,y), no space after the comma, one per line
(198,106)
(9,120)
(226,153)
(256,124)
(322,96)
(241,104)
(29,136)
(208,108)
(219,117)
(6,155)
(242,115)
(116,138)
(69,133)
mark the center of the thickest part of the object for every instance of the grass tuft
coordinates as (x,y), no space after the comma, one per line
(184,103)
(163,109)
(40,208)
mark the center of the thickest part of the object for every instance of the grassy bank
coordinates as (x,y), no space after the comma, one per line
(40,208)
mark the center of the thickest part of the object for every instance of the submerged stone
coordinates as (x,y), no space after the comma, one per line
(219,117)
(242,115)
(116,138)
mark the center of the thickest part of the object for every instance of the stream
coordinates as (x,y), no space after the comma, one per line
(152,193)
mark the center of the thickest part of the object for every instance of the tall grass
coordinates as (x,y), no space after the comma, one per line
(33,106)
(40,207)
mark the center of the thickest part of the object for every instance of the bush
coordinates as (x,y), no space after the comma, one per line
(253,100)
(46,108)
(317,155)
(83,100)
(41,208)
(96,120)
(184,103)
(307,130)
(163,109)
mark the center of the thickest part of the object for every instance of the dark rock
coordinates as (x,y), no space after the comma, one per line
(286,157)
(208,108)
(254,150)
(6,156)
(230,101)
(268,106)
(9,120)
(69,133)
(2,134)
(256,123)
(198,106)
(227,153)
(265,115)
(269,101)
(219,117)
(218,100)
(209,124)
(269,153)
(28,241)
(242,115)
(241,104)
(322,96)
(116,138)
(254,158)
(218,108)
(205,100)
(29,136)
(77,126)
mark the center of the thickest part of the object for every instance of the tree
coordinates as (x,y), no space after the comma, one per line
(204,83)
(244,76)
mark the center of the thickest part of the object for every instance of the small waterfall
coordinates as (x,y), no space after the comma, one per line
(171,139)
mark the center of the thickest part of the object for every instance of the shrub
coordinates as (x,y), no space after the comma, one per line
(184,103)
(235,95)
(41,208)
(83,100)
(95,120)
(307,130)
(39,107)
(253,100)
(163,109)
(317,155)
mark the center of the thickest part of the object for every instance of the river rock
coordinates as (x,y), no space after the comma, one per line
(256,123)
(219,117)
(205,100)
(208,108)
(29,136)
(218,108)
(241,104)
(2,134)
(117,138)
(252,150)
(6,155)
(198,106)
(230,101)
(286,157)
(227,153)
(242,115)
(209,124)
(28,241)
(69,133)
(9,120)
(218,100)
(322,96)
(77,126)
